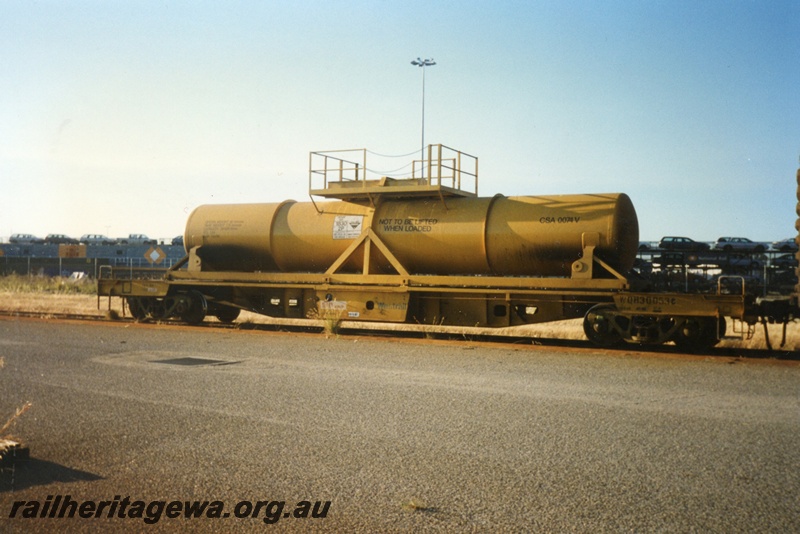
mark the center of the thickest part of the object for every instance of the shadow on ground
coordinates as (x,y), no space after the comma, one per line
(23,473)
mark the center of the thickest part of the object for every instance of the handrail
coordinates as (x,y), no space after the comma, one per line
(343,170)
(726,276)
(441,166)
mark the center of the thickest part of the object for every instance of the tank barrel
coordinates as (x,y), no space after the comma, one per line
(501,236)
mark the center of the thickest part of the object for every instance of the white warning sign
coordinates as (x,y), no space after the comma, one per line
(155,255)
(347,226)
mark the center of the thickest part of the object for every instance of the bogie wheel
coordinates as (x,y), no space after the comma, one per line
(598,325)
(226,314)
(700,333)
(196,310)
(136,307)
(143,308)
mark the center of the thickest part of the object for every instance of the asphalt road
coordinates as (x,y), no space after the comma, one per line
(399,435)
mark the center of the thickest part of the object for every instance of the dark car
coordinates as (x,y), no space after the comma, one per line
(60,239)
(784,261)
(741,263)
(676,258)
(643,267)
(681,243)
(96,239)
(25,239)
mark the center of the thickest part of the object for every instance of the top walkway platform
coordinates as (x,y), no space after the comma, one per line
(344,175)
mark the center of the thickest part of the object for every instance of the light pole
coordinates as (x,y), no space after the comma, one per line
(423,63)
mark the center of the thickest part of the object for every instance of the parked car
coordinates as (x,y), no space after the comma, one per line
(25,239)
(96,239)
(785,245)
(646,245)
(60,239)
(681,243)
(741,263)
(783,281)
(676,258)
(784,261)
(643,267)
(740,244)
(177,240)
(136,239)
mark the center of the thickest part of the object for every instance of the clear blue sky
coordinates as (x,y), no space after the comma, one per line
(122,116)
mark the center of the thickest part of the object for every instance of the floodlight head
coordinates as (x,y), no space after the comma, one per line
(423,62)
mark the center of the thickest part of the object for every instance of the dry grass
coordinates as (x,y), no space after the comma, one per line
(52,302)
(11,420)
(49,285)
(573,329)
(330,319)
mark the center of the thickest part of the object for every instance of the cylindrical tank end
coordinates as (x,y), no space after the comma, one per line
(624,234)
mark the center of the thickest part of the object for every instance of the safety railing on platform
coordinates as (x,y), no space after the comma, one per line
(440,166)
(325,167)
(448,167)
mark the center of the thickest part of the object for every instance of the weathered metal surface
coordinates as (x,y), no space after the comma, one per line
(680,304)
(502,236)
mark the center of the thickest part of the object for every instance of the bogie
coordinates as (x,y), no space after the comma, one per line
(700,333)
(142,308)
(600,326)
(606,326)
(195,308)
(226,314)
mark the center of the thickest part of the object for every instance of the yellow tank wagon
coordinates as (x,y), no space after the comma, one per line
(426,249)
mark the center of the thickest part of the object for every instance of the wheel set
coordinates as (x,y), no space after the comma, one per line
(190,307)
(605,326)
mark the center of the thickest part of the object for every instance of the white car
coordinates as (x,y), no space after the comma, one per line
(25,239)
(740,244)
(136,239)
(785,245)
